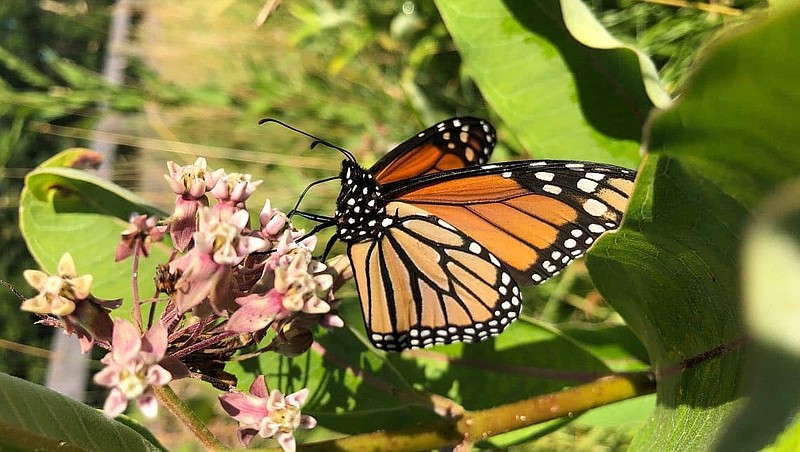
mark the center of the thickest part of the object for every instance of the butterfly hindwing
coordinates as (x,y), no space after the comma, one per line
(450,144)
(424,282)
(535,216)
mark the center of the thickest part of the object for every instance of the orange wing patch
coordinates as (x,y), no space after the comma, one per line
(422,160)
(417,292)
(535,221)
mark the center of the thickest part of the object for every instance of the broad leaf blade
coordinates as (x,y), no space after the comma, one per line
(562,97)
(671,270)
(35,410)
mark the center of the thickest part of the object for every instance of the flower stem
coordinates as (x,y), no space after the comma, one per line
(479,425)
(137,302)
(167,397)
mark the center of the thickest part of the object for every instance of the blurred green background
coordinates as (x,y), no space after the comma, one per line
(198,77)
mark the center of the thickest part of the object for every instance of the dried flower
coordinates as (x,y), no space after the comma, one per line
(268,414)
(141,232)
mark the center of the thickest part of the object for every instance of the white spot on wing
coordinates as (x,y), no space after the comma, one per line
(596,228)
(587,185)
(594,207)
(552,189)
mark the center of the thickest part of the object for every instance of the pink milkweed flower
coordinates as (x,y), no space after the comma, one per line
(268,414)
(206,270)
(273,222)
(301,286)
(68,296)
(134,365)
(190,183)
(232,190)
(57,293)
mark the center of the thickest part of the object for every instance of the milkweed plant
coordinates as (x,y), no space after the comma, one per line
(228,288)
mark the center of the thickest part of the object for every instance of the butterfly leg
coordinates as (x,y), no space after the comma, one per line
(302,195)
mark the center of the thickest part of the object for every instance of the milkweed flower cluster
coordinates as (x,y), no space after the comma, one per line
(230,290)
(268,414)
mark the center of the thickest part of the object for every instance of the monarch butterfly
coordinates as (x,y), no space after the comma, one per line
(439,240)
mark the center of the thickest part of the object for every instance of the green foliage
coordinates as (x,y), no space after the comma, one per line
(560,86)
(59,201)
(45,420)
(564,87)
(672,269)
(30,93)
(671,36)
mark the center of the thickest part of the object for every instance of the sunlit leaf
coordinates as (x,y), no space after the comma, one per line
(69,210)
(560,82)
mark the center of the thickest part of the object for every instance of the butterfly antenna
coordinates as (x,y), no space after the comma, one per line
(316,141)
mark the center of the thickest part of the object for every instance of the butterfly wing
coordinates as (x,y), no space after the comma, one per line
(451,144)
(423,282)
(534,216)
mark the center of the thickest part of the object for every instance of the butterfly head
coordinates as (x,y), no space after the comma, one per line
(360,207)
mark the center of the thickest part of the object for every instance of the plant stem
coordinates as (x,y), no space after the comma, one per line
(479,425)
(167,397)
(137,302)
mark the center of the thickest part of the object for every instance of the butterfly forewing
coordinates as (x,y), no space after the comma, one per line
(535,216)
(423,282)
(450,144)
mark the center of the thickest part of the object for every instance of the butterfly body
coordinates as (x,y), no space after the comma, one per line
(439,240)
(362,207)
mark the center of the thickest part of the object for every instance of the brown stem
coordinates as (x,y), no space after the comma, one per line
(479,425)
(167,397)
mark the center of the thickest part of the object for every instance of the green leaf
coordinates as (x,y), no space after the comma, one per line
(33,415)
(671,270)
(564,86)
(69,210)
(770,269)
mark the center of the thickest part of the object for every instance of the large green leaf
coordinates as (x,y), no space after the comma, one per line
(671,270)
(63,209)
(770,269)
(564,86)
(34,417)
